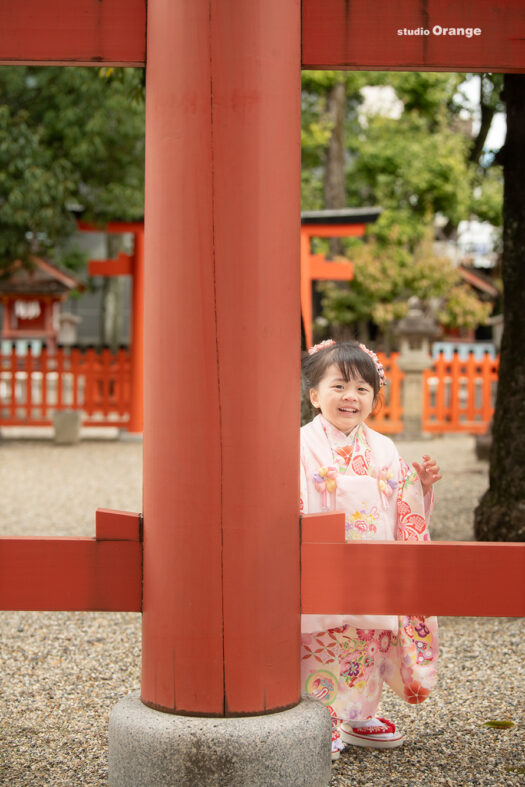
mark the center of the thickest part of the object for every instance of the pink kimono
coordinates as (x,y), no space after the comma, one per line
(346,659)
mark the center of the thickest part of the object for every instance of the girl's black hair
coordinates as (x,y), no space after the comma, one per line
(350,359)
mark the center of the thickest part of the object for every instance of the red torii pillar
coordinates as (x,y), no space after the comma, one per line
(221,591)
(221,549)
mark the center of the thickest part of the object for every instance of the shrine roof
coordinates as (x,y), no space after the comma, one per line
(341,216)
(39,277)
(478,281)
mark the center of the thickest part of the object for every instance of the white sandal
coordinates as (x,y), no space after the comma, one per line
(374,733)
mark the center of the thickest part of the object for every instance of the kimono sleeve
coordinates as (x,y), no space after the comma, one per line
(413,511)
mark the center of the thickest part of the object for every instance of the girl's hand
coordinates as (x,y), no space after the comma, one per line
(428,473)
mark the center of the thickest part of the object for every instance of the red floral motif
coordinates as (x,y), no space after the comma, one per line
(335,722)
(417,523)
(384,640)
(327,656)
(359,465)
(403,509)
(346,452)
(415,693)
(365,635)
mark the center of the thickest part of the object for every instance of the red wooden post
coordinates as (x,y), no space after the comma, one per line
(29,383)
(221,550)
(135,424)
(14,364)
(75,375)
(43,389)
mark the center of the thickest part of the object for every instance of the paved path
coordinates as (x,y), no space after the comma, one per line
(62,672)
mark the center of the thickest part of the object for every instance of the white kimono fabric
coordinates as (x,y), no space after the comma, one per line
(345,659)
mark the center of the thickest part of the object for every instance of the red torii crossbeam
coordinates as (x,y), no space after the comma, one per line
(336,34)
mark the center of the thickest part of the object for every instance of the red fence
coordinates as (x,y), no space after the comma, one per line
(459,395)
(32,387)
(388,416)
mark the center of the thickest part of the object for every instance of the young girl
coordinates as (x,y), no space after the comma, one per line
(345,463)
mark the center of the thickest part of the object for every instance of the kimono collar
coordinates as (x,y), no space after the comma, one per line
(352,449)
(336,438)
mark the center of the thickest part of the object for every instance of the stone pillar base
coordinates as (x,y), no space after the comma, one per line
(148,748)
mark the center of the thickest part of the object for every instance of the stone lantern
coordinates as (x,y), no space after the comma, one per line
(415,332)
(67,332)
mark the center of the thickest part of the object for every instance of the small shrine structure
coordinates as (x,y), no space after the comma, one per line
(31,296)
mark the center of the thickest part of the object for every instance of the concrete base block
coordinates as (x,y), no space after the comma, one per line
(66,424)
(129,437)
(148,748)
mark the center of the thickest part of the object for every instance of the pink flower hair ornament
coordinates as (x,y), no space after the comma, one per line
(377,362)
(320,346)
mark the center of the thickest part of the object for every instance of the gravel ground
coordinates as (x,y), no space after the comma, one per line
(64,671)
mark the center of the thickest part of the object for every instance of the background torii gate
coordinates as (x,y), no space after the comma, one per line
(221,549)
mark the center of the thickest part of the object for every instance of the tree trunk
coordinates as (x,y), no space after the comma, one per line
(500,515)
(334,172)
(112,308)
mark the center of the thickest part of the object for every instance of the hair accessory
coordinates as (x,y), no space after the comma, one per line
(378,364)
(320,346)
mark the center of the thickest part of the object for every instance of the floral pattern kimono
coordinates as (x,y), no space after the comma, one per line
(346,659)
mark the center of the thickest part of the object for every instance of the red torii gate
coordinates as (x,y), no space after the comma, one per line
(128,265)
(221,596)
(344,223)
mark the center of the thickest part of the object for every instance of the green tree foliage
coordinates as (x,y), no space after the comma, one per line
(387,275)
(35,185)
(70,137)
(418,162)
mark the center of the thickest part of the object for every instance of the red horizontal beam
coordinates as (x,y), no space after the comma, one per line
(73,32)
(75,573)
(440,578)
(118,227)
(338,34)
(121,266)
(332,270)
(333,230)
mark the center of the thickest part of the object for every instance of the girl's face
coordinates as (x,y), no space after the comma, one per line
(344,403)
